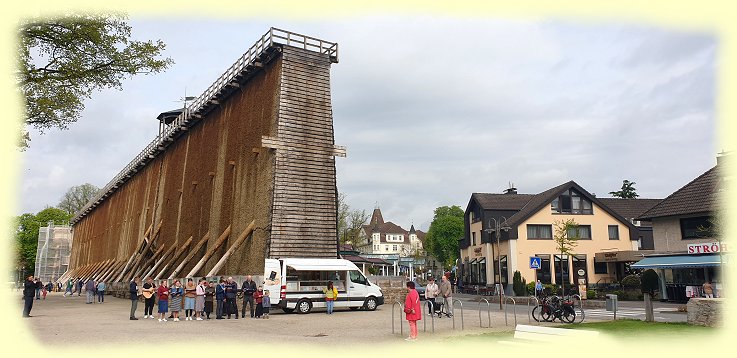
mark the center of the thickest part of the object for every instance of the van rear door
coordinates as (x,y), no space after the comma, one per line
(273,280)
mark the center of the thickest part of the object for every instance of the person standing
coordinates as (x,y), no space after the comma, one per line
(538,289)
(163,293)
(231,291)
(79,286)
(266,304)
(249,287)
(190,292)
(209,296)
(331,293)
(220,297)
(258,297)
(44,291)
(708,289)
(447,294)
(90,290)
(133,290)
(175,295)
(431,291)
(412,310)
(29,293)
(148,291)
(101,292)
(39,286)
(199,303)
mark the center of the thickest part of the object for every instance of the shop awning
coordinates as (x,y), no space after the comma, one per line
(680,261)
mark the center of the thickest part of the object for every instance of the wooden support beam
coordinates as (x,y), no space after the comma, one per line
(130,259)
(220,241)
(96,271)
(246,233)
(159,261)
(103,269)
(190,255)
(180,251)
(150,243)
(143,268)
(113,271)
(107,270)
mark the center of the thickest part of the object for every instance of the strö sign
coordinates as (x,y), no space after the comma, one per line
(706,248)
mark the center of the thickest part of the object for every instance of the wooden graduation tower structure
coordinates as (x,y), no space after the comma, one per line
(245,172)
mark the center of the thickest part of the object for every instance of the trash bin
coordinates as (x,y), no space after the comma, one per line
(611,302)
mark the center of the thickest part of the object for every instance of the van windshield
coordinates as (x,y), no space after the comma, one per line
(357,277)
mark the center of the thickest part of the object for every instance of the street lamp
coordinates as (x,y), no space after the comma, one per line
(497,230)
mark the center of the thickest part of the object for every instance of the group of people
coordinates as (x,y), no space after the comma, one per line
(200,299)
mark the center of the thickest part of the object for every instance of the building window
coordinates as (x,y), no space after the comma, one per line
(394,247)
(539,232)
(695,228)
(613,232)
(386,247)
(579,263)
(561,269)
(473,239)
(600,267)
(582,232)
(482,271)
(571,202)
(543,273)
(504,270)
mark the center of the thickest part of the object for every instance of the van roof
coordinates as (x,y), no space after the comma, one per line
(319,264)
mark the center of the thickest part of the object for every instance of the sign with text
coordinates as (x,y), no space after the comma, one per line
(535,262)
(706,248)
(477,251)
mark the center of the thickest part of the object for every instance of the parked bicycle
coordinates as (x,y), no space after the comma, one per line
(554,307)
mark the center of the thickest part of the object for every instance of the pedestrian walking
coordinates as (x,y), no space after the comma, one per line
(331,293)
(29,293)
(190,293)
(199,303)
(90,291)
(101,292)
(220,298)
(231,291)
(70,288)
(266,304)
(412,310)
(163,293)
(249,287)
(538,289)
(148,292)
(209,298)
(447,294)
(133,290)
(175,296)
(431,291)
(43,292)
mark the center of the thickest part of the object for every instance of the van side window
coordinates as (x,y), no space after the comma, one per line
(357,277)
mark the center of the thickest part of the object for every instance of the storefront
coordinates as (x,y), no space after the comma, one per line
(682,276)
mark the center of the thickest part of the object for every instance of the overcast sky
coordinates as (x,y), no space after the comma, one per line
(432,109)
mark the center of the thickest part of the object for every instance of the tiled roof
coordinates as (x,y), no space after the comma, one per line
(537,202)
(698,196)
(502,201)
(630,208)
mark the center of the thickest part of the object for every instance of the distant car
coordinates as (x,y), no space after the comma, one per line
(420,289)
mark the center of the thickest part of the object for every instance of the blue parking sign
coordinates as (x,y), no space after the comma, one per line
(535,262)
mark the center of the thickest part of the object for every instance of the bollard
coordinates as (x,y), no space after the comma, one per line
(488,311)
(529,311)
(401,310)
(505,310)
(453,317)
(432,317)
(580,308)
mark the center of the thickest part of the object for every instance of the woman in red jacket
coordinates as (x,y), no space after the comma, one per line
(412,310)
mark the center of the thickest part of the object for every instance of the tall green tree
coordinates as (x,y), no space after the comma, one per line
(76,197)
(26,234)
(64,60)
(628,191)
(350,222)
(445,231)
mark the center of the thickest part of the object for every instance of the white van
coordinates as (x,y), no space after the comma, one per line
(297,284)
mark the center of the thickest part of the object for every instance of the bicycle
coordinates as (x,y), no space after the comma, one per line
(555,307)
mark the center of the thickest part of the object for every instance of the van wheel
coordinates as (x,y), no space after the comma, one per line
(304,306)
(288,310)
(370,304)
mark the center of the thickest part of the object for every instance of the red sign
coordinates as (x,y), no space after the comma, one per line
(706,248)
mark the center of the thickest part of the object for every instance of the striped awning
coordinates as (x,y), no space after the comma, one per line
(680,261)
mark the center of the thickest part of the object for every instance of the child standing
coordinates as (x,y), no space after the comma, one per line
(266,304)
(258,296)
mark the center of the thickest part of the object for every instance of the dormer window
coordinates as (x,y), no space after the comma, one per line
(571,202)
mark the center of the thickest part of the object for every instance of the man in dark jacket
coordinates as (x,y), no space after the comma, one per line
(79,286)
(29,292)
(219,298)
(249,287)
(231,291)
(134,298)
(90,290)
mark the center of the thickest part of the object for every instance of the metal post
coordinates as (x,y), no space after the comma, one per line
(529,312)
(580,307)
(488,311)
(515,311)
(401,309)
(432,317)
(453,316)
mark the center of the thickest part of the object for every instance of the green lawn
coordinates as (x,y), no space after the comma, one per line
(620,329)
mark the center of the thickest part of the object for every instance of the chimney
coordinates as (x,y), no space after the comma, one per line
(723,157)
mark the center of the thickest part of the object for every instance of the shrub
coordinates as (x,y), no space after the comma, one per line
(530,288)
(650,282)
(590,294)
(631,281)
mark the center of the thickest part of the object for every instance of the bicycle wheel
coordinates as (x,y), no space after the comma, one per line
(547,314)
(568,314)
(537,313)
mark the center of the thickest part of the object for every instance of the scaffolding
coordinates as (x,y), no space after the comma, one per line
(54,249)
